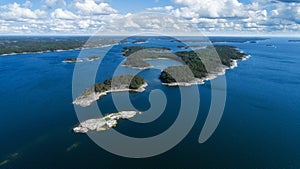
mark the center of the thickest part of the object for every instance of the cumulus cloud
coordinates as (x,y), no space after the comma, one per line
(27,4)
(16,12)
(165,8)
(52,3)
(209,8)
(289,1)
(185,16)
(149,22)
(287,11)
(63,14)
(90,7)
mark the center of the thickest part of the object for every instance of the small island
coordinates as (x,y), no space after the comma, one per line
(103,123)
(72,60)
(93,58)
(116,84)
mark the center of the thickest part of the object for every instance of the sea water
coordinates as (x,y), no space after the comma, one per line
(260,127)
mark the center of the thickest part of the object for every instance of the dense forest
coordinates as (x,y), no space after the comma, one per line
(118,82)
(200,62)
(177,74)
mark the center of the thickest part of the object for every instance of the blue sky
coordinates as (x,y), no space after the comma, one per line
(226,17)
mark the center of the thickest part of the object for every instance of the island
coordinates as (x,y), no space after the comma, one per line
(72,60)
(104,123)
(193,70)
(93,58)
(136,56)
(121,83)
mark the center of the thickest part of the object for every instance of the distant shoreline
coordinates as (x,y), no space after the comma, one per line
(46,51)
(58,50)
(138,68)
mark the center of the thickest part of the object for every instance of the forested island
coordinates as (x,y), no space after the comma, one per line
(72,60)
(193,69)
(136,55)
(92,58)
(116,84)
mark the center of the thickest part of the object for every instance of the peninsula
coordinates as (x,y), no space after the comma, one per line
(136,55)
(116,84)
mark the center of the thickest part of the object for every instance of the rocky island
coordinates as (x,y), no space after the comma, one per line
(72,60)
(93,58)
(103,123)
(116,84)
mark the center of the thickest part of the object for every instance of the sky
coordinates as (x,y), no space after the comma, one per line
(211,17)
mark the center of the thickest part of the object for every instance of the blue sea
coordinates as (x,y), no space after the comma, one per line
(260,127)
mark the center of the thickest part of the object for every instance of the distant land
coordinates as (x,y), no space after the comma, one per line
(298,40)
(15,45)
(32,44)
(75,60)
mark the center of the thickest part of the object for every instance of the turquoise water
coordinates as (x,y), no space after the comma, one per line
(260,127)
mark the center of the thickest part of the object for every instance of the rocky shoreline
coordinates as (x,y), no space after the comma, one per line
(221,71)
(103,123)
(87,100)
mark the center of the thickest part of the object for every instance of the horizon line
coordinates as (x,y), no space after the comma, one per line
(178,35)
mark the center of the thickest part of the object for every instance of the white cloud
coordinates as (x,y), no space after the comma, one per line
(209,8)
(85,24)
(287,11)
(90,7)
(87,16)
(63,14)
(51,3)
(149,22)
(15,12)
(165,8)
(62,26)
(274,12)
(27,4)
